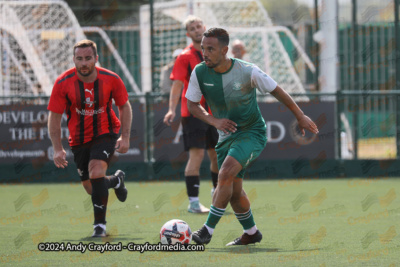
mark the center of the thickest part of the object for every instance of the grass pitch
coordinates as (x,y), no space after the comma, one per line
(352,222)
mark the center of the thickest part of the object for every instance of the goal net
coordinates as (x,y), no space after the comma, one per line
(37,38)
(246,20)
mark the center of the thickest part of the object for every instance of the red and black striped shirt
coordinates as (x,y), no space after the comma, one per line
(88,105)
(183,67)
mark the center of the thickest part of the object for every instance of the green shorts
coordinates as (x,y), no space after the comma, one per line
(245,147)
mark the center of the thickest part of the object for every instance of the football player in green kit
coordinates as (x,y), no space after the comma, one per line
(229,87)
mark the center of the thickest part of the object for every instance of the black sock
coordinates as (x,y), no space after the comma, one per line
(99,199)
(192,185)
(214,176)
(112,181)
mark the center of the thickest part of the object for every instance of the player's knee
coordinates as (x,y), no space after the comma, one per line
(226,172)
(212,154)
(96,173)
(225,177)
(196,154)
(96,170)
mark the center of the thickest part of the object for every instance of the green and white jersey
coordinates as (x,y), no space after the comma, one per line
(232,94)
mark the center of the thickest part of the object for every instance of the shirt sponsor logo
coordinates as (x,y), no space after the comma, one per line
(89,112)
(209,84)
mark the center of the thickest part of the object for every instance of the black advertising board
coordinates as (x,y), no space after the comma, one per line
(169,155)
(24,136)
(284,140)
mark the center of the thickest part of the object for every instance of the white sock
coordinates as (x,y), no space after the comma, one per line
(101,225)
(192,199)
(210,230)
(251,231)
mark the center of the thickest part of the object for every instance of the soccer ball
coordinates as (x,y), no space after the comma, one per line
(175,231)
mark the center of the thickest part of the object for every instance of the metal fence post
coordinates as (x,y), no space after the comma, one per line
(152,43)
(149,139)
(338,125)
(354,26)
(397,37)
(355,99)
(397,125)
(316,47)
(397,58)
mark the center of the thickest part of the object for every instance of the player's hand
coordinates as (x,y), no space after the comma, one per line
(306,123)
(169,117)
(59,158)
(122,145)
(225,125)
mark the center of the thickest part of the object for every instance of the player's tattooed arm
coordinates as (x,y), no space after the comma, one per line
(304,121)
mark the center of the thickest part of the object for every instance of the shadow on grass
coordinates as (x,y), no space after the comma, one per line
(298,250)
(242,249)
(253,249)
(108,238)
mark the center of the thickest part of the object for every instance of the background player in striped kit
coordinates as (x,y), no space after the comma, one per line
(197,135)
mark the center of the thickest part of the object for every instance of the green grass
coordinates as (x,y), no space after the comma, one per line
(304,223)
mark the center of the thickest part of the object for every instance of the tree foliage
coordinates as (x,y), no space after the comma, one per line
(287,12)
(106,12)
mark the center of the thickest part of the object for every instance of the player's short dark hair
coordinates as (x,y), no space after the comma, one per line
(86,43)
(221,34)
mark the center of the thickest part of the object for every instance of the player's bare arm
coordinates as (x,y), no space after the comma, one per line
(54,126)
(304,121)
(176,91)
(125,115)
(225,125)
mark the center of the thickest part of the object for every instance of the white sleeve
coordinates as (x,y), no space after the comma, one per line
(262,81)
(193,92)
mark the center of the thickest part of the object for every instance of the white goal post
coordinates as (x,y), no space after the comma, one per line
(40,36)
(37,38)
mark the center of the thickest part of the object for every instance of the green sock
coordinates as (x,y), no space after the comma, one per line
(246,219)
(214,216)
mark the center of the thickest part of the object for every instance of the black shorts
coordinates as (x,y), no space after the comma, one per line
(101,148)
(199,134)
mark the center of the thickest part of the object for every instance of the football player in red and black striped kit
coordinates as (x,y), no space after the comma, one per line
(197,135)
(86,92)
